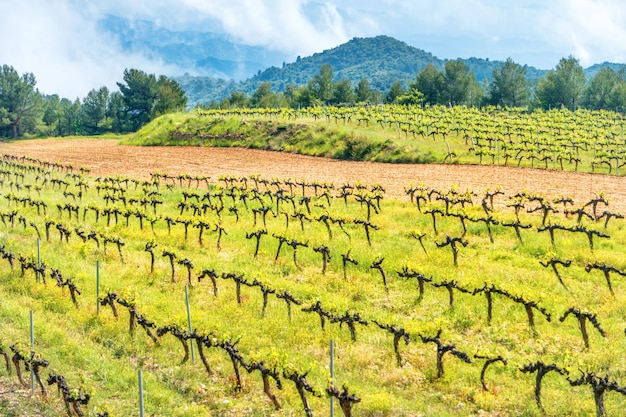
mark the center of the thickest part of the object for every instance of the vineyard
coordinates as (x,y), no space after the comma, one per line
(445,302)
(588,141)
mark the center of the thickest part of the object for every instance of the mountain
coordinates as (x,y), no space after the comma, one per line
(381,59)
(214,66)
(198,53)
(593,70)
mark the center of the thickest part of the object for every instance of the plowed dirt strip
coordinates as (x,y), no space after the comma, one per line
(107,157)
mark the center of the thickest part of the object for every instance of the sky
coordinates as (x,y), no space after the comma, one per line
(59,41)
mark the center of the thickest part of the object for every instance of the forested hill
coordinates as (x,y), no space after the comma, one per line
(382,60)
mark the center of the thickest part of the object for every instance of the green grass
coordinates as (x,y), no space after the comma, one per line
(306,136)
(98,353)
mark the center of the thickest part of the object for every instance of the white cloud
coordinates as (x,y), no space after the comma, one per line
(61,46)
(278,24)
(59,42)
(591,30)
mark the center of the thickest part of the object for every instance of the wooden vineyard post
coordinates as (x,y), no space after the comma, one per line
(193,356)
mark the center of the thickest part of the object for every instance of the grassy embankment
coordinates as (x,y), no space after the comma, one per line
(304,136)
(558,140)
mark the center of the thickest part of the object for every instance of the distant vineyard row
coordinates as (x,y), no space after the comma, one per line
(591,141)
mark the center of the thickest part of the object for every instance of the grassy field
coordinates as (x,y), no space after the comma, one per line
(378,294)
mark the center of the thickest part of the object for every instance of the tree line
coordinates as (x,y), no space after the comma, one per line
(563,87)
(141,98)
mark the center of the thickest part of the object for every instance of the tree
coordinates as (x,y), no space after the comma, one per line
(116,112)
(62,116)
(262,96)
(304,97)
(51,114)
(170,97)
(412,97)
(342,92)
(322,83)
(290,94)
(236,99)
(431,82)
(145,97)
(510,86)
(70,117)
(139,92)
(479,94)
(362,91)
(376,96)
(95,110)
(617,97)
(562,87)
(394,92)
(598,93)
(459,83)
(20,102)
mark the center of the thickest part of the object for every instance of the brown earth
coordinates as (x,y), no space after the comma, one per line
(108,157)
(17,401)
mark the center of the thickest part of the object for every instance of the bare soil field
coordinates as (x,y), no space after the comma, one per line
(108,157)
